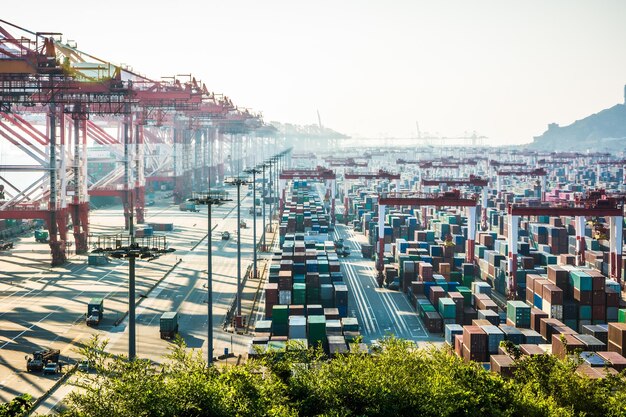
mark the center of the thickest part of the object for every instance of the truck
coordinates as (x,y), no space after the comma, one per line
(95,310)
(41,358)
(259,211)
(188,206)
(41,236)
(168,324)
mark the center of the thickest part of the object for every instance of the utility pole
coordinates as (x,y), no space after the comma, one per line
(254,171)
(210,200)
(237,181)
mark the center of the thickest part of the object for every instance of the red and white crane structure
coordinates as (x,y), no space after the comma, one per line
(593,207)
(538,172)
(348,177)
(448,199)
(319,174)
(471,181)
(40,74)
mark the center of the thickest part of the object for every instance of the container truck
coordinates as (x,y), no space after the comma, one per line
(188,206)
(168,324)
(41,236)
(41,358)
(95,310)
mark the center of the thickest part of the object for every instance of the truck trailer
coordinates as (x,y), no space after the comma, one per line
(168,324)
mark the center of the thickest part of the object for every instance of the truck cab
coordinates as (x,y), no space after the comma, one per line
(95,311)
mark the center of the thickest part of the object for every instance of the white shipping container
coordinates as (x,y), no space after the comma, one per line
(297,327)
(284,297)
(554,311)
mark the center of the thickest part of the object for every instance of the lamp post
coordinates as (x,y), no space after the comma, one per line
(112,245)
(271,186)
(238,181)
(254,171)
(210,199)
(264,166)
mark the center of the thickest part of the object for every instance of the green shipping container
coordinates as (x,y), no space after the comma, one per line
(280,314)
(316,329)
(299,293)
(519,313)
(466,293)
(621,315)
(447,308)
(580,280)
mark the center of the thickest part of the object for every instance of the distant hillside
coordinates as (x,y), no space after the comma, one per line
(605,130)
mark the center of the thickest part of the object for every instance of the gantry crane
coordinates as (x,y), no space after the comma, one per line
(538,172)
(41,74)
(319,173)
(447,199)
(381,174)
(37,73)
(593,206)
(471,181)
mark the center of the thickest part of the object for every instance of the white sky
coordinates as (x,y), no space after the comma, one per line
(503,68)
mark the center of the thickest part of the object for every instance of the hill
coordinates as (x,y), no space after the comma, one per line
(602,131)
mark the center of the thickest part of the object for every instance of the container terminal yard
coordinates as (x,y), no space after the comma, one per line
(140,210)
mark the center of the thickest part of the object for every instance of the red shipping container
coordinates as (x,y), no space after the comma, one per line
(471,355)
(425,271)
(458,345)
(474,339)
(436,292)
(583,297)
(538,286)
(552,294)
(560,349)
(535,318)
(598,298)
(614,360)
(558,276)
(598,312)
(612,297)
(598,281)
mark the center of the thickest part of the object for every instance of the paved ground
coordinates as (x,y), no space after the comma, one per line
(44,307)
(380,311)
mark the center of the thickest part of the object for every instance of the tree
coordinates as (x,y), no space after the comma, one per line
(17,406)
(395,380)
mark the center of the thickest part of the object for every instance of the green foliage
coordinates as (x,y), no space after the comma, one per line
(17,406)
(397,380)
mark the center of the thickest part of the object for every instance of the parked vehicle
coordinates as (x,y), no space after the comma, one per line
(259,211)
(41,236)
(188,206)
(84,365)
(5,245)
(343,252)
(225,235)
(243,224)
(41,358)
(51,368)
(95,310)
(168,324)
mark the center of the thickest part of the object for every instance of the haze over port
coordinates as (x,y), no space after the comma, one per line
(504,69)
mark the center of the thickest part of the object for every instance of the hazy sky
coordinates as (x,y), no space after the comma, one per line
(503,68)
